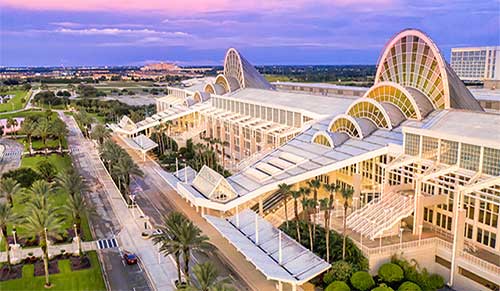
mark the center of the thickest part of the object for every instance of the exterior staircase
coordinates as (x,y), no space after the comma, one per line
(381,214)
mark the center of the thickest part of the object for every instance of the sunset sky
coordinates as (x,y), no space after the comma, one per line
(130,32)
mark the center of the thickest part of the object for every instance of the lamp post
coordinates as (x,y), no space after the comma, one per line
(77,239)
(420,228)
(401,237)
(14,235)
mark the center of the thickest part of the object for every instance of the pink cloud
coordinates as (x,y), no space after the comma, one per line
(184,7)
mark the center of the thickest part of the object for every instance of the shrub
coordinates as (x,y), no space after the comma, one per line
(382,287)
(362,281)
(24,176)
(436,281)
(340,271)
(338,286)
(409,286)
(390,273)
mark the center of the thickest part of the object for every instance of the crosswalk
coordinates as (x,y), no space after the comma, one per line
(107,243)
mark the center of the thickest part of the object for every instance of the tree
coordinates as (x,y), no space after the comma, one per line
(59,130)
(47,170)
(43,129)
(168,238)
(100,133)
(43,222)
(28,128)
(346,195)
(285,191)
(84,120)
(74,208)
(340,271)
(314,184)
(207,279)
(71,182)
(24,176)
(362,281)
(11,122)
(7,217)
(296,195)
(390,273)
(190,238)
(409,286)
(325,206)
(39,194)
(110,153)
(338,286)
(8,189)
(125,168)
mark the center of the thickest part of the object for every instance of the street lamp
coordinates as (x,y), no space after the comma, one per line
(14,234)
(401,237)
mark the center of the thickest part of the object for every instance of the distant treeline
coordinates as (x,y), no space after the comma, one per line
(346,73)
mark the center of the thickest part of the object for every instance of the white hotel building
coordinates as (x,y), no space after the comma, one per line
(421,154)
(476,63)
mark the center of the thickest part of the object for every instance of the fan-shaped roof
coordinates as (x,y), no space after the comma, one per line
(238,68)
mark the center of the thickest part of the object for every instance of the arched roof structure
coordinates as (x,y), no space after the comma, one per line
(323,138)
(238,70)
(199,97)
(412,59)
(347,124)
(222,81)
(412,103)
(372,110)
(212,88)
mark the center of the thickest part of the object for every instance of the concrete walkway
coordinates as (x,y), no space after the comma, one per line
(160,270)
(21,253)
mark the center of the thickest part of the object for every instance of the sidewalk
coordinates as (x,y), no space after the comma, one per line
(162,273)
(53,250)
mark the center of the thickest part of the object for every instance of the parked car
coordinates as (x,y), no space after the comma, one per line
(130,258)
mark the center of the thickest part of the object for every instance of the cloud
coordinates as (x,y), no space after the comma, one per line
(185,7)
(119,32)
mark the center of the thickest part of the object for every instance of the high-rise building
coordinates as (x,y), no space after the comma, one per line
(476,63)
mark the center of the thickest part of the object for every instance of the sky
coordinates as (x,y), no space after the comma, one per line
(266,32)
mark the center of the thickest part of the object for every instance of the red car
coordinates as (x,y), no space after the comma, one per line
(130,258)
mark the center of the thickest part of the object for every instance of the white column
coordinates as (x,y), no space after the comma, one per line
(256,229)
(237,216)
(280,251)
(280,286)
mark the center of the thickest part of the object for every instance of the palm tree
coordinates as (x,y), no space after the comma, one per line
(8,189)
(326,206)
(71,182)
(43,129)
(125,168)
(43,222)
(207,279)
(28,128)
(7,217)
(74,208)
(39,194)
(346,195)
(190,238)
(100,133)
(59,130)
(110,153)
(224,145)
(314,184)
(296,195)
(168,239)
(11,122)
(284,189)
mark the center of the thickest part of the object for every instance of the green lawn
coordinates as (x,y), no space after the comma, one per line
(83,280)
(60,162)
(26,113)
(16,102)
(37,144)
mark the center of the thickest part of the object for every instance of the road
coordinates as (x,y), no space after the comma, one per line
(105,225)
(159,198)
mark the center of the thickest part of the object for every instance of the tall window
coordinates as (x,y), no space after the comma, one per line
(449,152)
(491,161)
(429,148)
(469,157)
(412,144)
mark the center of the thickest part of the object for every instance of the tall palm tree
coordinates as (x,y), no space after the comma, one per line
(74,208)
(7,217)
(326,206)
(168,239)
(190,238)
(346,195)
(60,131)
(28,128)
(296,195)
(207,279)
(125,168)
(43,129)
(8,189)
(43,222)
(39,194)
(314,184)
(224,145)
(306,208)
(285,189)
(11,122)
(71,182)
(100,133)
(110,153)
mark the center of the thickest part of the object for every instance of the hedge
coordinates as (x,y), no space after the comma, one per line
(382,287)
(338,286)
(340,271)
(390,273)
(362,281)
(409,286)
